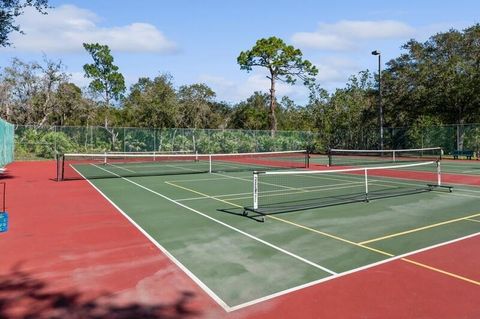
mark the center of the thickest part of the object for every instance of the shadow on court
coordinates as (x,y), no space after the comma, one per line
(24,296)
(295,205)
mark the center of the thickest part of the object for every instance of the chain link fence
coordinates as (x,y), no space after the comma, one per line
(33,142)
(449,137)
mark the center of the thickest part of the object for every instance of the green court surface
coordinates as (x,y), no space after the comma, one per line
(197,219)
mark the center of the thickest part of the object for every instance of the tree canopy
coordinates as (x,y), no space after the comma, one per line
(283,62)
(11,9)
(106,80)
(430,83)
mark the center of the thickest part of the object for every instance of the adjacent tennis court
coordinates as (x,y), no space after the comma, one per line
(310,224)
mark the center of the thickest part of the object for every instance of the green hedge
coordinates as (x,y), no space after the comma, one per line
(46,142)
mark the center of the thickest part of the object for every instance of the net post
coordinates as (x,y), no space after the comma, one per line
(105,158)
(60,167)
(366,184)
(307,159)
(329,154)
(394,158)
(210,163)
(255,190)
(439,174)
(57,158)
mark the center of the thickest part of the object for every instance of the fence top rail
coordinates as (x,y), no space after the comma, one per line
(154,128)
(123,155)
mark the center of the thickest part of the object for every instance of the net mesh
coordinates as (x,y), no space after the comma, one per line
(279,192)
(344,157)
(6,143)
(92,166)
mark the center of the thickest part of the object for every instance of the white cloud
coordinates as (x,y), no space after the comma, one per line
(335,69)
(65,28)
(345,34)
(319,40)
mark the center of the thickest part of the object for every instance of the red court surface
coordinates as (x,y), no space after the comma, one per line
(70,254)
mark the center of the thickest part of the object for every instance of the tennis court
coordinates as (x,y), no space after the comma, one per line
(199,220)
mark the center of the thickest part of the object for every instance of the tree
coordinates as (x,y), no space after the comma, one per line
(9,10)
(195,105)
(152,103)
(440,76)
(107,82)
(293,117)
(284,63)
(251,114)
(71,108)
(29,90)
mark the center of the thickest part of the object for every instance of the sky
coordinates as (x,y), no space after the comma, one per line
(198,41)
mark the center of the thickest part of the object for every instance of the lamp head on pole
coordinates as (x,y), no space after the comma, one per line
(376,52)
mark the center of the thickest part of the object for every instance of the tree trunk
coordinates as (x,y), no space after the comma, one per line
(273,118)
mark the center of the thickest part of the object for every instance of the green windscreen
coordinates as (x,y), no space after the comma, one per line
(6,142)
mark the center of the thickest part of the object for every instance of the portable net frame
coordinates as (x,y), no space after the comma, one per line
(288,191)
(345,157)
(108,165)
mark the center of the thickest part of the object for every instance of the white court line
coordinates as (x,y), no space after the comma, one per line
(225,224)
(222,223)
(198,180)
(125,169)
(188,199)
(384,179)
(251,180)
(281,192)
(255,301)
(195,279)
(280,293)
(287,291)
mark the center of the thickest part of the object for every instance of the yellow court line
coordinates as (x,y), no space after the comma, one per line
(198,180)
(339,238)
(383,252)
(289,222)
(442,271)
(331,236)
(203,194)
(473,220)
(418,229)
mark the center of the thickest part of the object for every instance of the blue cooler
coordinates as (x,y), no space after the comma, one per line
(3,222)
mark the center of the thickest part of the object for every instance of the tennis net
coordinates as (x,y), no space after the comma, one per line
(107,165)
(344,157)
(153,152)
(287,191)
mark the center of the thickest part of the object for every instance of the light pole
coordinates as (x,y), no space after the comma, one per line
(380,108)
